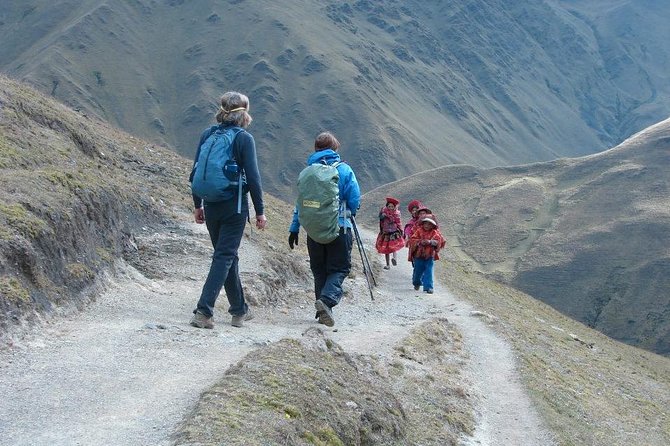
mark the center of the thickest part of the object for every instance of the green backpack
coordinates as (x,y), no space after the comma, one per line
(318,202)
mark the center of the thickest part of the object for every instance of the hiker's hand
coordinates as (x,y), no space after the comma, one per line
(261,221)
(199,215)
(292,239)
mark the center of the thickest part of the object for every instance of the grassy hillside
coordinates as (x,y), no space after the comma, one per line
(590,389)
(407,85)
(590,236)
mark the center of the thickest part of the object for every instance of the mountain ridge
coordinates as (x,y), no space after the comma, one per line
(414,84)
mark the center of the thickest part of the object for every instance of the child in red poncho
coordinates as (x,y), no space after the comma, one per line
(412,207)
(424,246)
(390,238)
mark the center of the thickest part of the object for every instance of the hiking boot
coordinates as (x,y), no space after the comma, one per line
(416,287)
(238,321)
(199,320)
(325,313)
(429,291)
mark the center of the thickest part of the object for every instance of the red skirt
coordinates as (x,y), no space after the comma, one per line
(388,243)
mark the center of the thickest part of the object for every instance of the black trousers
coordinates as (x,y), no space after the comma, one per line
(330,264)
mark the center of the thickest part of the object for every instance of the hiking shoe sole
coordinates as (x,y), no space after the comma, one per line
(238,321)
(325,313)
(199,320)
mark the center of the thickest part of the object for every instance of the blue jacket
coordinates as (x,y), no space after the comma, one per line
(350,193)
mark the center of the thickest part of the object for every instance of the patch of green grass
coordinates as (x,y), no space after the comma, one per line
(68,180)
(23,221)
(104,254)
(323,437)
(5,233)
(12,290)
(303,406)
(80,271)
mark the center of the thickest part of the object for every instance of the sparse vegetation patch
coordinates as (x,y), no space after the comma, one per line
(12,290)
(24,222)
(310,392)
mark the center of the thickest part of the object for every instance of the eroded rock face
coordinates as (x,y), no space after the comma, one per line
(74,191)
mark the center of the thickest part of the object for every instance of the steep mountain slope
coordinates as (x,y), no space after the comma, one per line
(590,236)
(73,193)
(406,85)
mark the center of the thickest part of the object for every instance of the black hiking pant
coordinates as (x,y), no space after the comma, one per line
(330,264)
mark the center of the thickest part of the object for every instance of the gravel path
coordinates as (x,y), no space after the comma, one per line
(128,369)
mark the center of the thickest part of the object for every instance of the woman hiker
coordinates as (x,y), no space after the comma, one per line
(227,214)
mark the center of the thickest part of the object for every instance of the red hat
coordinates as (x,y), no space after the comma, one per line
(424,209)
(414,204)
(392,201)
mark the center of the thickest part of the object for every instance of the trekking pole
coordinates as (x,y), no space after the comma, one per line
(239,195)
(367,270)
(364,253)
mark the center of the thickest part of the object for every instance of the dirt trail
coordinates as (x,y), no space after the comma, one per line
(129,368)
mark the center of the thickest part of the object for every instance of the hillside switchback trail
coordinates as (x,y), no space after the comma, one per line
(128,368)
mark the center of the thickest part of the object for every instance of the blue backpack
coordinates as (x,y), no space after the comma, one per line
(216,172)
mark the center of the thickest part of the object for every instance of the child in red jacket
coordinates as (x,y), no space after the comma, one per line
(424,246)
(415,222)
